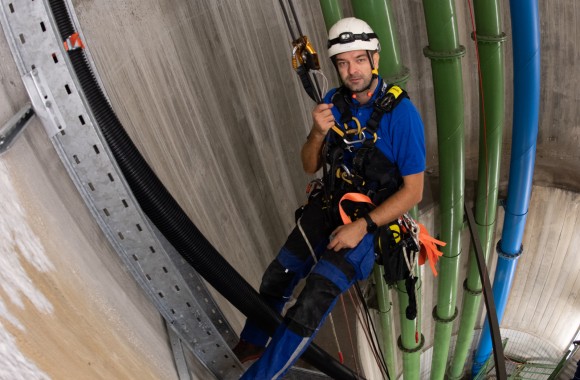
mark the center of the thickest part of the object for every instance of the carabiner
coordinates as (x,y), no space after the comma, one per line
(359,131)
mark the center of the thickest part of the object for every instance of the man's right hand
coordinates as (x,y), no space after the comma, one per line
(322,119)
(311,152)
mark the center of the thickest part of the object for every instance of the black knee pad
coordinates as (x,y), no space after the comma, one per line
(276,280)
(312,305)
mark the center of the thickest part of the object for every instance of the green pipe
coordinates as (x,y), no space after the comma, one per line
(489,42)
(385,314)
(331,11)
(445,53)
(378,14)
(411,340)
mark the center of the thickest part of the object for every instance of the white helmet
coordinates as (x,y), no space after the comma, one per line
(350,34)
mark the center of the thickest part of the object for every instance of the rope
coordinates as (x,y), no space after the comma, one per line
(301,45)
(292,35)
(370,332)
(349,332)
(306,240)
(373,331)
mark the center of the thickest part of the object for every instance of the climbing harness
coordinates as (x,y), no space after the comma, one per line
(387,99)
(353,164)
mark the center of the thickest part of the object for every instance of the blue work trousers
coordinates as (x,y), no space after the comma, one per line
(329,275)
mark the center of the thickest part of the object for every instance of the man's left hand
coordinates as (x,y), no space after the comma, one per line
(348,235)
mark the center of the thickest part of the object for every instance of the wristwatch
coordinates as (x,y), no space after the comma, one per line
(371,226)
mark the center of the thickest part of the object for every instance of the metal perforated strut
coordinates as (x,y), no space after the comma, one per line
(173,286)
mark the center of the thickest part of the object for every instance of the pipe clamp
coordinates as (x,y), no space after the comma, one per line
(410,350)
(489,39)
(401,77)
(444,55)
(508,256)
(469,291)
(444,320)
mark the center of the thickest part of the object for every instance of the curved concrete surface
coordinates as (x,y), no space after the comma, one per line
(206,90)
(68,309)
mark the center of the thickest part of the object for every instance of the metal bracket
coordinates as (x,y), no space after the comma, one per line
(14,127)
(43,102)
(178,354)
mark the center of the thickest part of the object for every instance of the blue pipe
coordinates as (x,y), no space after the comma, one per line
(526,52)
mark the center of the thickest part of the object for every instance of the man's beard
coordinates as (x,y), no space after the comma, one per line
(359,87)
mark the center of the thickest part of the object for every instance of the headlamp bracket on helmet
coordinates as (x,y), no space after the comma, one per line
(348,37)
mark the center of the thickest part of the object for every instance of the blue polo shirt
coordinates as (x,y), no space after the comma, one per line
(400,134)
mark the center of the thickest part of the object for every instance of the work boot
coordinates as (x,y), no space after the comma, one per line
(246,351)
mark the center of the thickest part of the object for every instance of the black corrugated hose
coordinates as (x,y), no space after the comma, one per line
(167,215)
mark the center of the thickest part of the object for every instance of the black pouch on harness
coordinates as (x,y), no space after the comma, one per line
(389,242)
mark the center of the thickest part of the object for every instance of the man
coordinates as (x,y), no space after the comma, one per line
(378,153)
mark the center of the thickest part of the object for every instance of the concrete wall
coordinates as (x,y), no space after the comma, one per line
(206,90)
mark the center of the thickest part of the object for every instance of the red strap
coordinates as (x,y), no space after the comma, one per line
(355,197)
(429,249)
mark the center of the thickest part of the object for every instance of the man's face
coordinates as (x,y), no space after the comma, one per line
(355,70)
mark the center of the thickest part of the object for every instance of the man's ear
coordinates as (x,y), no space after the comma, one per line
(376,58)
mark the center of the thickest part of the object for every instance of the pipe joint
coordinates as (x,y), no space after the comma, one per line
(401,77)
(489,40)
(444,320)
(508,256)
(474,293)
(444,55)
(483,225)
(452,257)
(386,311)
(410,350)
